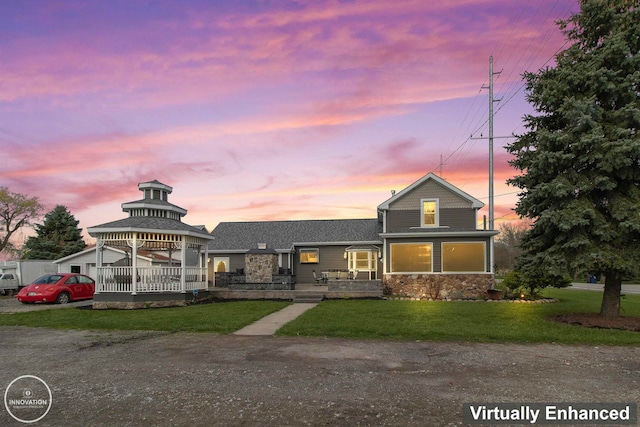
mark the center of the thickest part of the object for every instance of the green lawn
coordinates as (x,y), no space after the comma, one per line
(367,319)
(222,318)
(464,321)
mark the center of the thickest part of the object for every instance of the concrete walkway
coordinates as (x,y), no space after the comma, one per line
(270,324)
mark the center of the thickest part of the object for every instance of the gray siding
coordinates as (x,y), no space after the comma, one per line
(458,219)
(430,190)
(399,221)
(454,218)
(331,258)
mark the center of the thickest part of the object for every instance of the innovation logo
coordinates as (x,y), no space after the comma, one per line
(28,399)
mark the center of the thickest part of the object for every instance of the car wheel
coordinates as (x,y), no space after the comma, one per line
(63,298)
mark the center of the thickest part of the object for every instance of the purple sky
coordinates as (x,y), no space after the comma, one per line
(258,110)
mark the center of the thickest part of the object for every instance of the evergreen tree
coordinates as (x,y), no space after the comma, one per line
(580,157)
(57,237)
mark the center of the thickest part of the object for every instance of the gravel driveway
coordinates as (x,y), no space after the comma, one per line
(142,378)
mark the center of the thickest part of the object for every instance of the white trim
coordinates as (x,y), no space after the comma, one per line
(299,245)
(221,259)
(437,234)
(437,213)
(145,204)
(436,273)
(99,230)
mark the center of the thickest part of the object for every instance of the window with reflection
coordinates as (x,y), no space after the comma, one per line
(309,256)
(464,257)
(411,257)
(429,213)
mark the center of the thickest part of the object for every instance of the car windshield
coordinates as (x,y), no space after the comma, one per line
(46,280)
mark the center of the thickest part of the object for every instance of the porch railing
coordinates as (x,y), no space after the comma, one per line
(150,279)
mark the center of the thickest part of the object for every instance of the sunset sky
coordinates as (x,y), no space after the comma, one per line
(262,110)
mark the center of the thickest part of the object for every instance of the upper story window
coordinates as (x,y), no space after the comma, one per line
(429,217)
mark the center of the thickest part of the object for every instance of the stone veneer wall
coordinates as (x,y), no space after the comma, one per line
(260,268)
(438,286)
(354,285)
(124,301)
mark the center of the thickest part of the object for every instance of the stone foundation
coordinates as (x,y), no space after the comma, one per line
(439,286)
(124,301)
(276,286)
(354,285)
(239,281)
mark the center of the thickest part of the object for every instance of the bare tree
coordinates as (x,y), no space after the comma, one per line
(16,211)
(507,244)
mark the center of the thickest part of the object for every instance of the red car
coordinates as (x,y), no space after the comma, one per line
(60,288)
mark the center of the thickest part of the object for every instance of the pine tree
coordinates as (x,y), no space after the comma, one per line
(57,237)
(580,157)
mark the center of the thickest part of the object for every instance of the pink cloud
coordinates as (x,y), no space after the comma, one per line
(254,111)
(271,46)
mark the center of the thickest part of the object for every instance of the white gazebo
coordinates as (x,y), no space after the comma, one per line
(153,225)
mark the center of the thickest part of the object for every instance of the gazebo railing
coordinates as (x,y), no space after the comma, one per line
(150,279)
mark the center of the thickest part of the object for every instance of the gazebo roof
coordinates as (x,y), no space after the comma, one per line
(152,214)
(150,225)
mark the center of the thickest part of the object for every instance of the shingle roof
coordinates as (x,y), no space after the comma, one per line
(149,223)
(281,235)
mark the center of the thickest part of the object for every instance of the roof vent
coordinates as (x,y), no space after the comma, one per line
(262,246)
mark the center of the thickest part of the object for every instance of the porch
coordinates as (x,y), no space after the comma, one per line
(155,279)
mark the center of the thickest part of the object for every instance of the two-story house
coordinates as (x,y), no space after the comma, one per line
(431,244)
(424,243)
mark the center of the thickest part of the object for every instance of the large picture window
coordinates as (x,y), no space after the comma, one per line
(309,256)
(411,257)
(430,213)
(464,257)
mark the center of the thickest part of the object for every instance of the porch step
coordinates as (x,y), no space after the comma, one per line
(314,298)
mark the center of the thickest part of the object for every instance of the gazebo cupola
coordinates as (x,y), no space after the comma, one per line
(155,202)
(153,224)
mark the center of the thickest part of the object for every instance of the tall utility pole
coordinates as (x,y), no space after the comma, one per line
(491,196)
(491,101)
(491,210)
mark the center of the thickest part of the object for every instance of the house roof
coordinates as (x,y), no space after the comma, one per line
(149,224)
(475,203)
(284,235)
